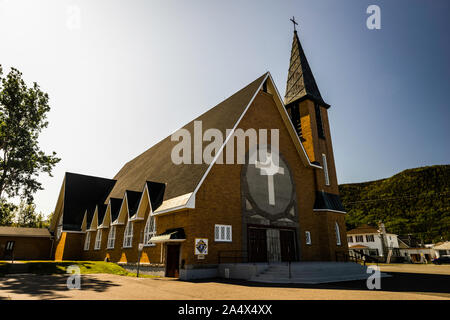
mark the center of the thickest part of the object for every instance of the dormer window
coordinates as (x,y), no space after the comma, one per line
(149,231)
(98,240)
(87,241)
(128,235)
(111,237)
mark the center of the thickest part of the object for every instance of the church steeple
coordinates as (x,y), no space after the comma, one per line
(300,82)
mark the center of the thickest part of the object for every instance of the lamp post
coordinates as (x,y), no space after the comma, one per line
(140,248)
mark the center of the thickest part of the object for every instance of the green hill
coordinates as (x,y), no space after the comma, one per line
(414,201)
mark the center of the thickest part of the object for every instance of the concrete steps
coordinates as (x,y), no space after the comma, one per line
(312,272)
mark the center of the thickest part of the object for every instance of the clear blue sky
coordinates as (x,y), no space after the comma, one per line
(135,71)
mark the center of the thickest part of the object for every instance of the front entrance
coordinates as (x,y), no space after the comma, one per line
(173,261)
(257,245)
(288,250)
(271,244)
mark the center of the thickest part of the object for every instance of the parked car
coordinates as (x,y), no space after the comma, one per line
(441,260)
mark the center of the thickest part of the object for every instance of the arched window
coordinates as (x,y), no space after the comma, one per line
(150,230)
(128,235)
(338,234)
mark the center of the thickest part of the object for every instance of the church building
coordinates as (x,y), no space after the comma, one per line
(185,219)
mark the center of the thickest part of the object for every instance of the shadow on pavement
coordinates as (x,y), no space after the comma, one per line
(436,284)
(48,286)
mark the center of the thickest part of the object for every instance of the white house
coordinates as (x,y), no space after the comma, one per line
(373,241)
(442,249)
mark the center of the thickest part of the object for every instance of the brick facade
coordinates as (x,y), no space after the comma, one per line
(219,201)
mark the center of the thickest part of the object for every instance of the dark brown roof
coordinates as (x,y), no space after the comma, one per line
(363,229)
(116,203)
(155,164)
(83,193)
(24,232)
(328,201)
(301,82)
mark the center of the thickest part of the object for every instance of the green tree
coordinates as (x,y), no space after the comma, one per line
(23,114)
(26,216)
(7,211)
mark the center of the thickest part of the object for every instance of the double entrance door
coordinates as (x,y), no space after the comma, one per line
(271,244)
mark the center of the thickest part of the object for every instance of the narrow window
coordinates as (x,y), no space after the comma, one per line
(111,237)
(296,121)
(325,169)
(319,121)
(59,228)
(128,235)
(58,232)
(149,231)
(222,233)
(308,237)
(98,240)
(338,234)
(87,241)
(10,245)
(359,239)
(350,239)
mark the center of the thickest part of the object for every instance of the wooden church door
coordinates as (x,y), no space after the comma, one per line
(257,245)
(173,261)
(288,248)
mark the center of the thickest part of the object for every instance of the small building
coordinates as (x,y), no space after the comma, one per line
(373,241)
(25,243)
(442,249)
(417,254)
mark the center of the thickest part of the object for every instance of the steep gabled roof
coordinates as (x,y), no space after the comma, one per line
(81,193)
(156,193)
(101,212)
(301,82)
(156,164)
(116,203)
(133,198)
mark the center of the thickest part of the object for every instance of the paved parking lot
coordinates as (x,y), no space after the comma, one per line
(408,282)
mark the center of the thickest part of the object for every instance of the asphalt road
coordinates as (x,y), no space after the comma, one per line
(414,282)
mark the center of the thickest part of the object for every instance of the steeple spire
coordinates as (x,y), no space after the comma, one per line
(300,81)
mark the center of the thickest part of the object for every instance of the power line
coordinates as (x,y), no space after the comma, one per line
(398,198)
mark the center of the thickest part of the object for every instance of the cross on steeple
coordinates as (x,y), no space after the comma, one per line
(294,22)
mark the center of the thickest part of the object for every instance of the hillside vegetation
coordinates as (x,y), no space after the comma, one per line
(414,201)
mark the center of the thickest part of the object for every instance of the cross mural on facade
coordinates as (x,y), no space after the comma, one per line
(269,168)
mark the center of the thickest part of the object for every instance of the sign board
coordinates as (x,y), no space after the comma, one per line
(141,246)
(201,246)
(200,256)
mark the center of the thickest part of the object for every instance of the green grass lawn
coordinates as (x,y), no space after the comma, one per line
(60,267)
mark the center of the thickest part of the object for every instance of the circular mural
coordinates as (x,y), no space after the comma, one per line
(269,181)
